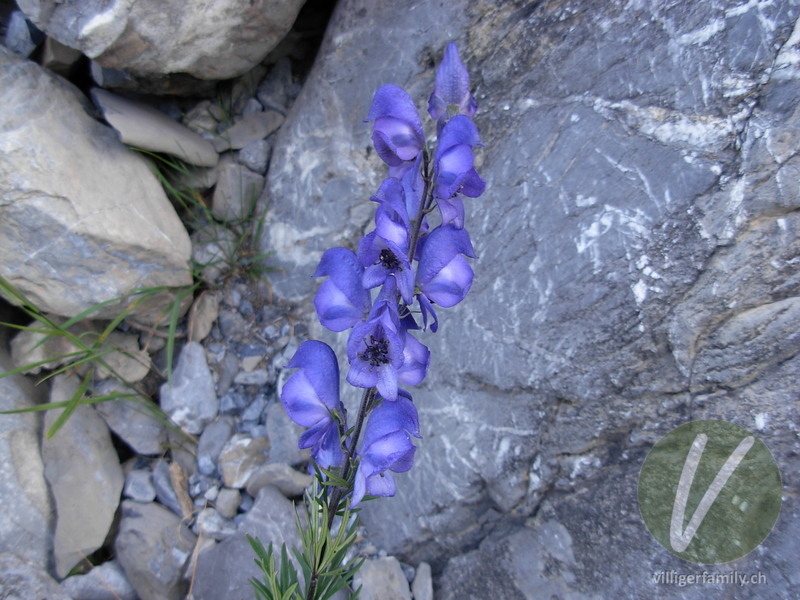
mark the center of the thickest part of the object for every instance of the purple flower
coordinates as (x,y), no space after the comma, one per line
(397,129)
(392,221)
(386,447)
(375,347)
(454,170)
(452,86)
(311,399)
(383,259)
(341,301)
(416,358)
(443,274)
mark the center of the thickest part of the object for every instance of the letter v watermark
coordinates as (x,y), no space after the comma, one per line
(678,537)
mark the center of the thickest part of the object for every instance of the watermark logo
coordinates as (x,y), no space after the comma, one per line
(709,492)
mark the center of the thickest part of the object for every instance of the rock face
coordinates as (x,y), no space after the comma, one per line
(637,246)
(85,479)
(82,219)
(27,526)
(217,40)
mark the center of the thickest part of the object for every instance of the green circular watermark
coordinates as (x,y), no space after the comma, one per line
(709,491)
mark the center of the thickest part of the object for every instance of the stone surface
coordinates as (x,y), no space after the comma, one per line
(153,547)
(121,350)
(223,570)
(213,249)
(422,586)
(255,155)
(152,37)
(28,517)
(291,483)
(19,37)
(283,434)
(636,242)
(24,579)
(240,458)
(211,443)
(203,314)
(227,502)
(82,218)
(142,126)
(85,478)
(104,582)
(139,486)
(250,128)
(190,399)
(135,420)
(236,191)
(382,579)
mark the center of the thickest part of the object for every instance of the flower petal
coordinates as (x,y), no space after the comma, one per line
(320,369)
(452,86)
(342,300)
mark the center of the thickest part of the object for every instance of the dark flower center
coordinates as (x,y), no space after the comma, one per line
(376,352)
(389,261)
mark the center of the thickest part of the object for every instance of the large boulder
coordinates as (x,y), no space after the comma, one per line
(27,527)
(637,270)
(83,220)
(207,40)
(85,478)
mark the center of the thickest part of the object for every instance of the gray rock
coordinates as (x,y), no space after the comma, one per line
(82,218)
(283,434)
(257,377)
(422,587)
(255,155)
(214,250)
(165,492)
(228,502)
(139,486)
(59,58)
(382,579)
(28,522)
(236,191)
(248,129)
(534,561)
(104,582)
(211,443)
(255,411)
(121,351)
(276,92)
(240,458)
(85,478)
(157,38)
(153,547)
(24,579)
(203,315)
(212,524)
(291,483)
(190,399)
(636,244)
(20,37)
(137,421)
(143,126)
(223,571)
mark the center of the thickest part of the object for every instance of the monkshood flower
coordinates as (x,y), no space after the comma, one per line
(452,86)
(341,301)
(454,168)
(386,447)
(375,346)
(443,274)
(311,399)
(386,259)
(397,130)
(416,358)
